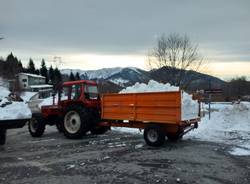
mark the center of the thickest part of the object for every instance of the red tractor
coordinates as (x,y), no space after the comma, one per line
(75,112)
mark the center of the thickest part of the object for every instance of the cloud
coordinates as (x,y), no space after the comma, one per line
(123,27)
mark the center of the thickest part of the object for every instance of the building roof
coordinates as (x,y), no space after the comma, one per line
(32,75)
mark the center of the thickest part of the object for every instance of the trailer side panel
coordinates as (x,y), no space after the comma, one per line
(158,107)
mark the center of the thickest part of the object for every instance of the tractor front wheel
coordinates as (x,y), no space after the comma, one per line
(36,126)
(75,122)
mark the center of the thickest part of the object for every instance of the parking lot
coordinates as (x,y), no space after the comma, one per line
(116,157)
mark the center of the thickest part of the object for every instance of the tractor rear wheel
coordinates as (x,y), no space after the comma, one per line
(2,136)
(36,126)
(154,135)
(75,122)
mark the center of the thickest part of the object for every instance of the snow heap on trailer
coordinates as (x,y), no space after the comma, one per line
(189,107)
(10,110)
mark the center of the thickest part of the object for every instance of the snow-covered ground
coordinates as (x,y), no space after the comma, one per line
(229,124)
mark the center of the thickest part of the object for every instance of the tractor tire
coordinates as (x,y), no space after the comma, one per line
(2,136)
(36,126)
(75,122)
(99,130)
(154,135)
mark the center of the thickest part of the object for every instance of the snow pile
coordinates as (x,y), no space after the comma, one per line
(27,96)
(229,124)
(10,109)
(190,107)
(48,101)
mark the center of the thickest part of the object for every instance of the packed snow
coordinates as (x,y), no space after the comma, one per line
(229,124)
(27,96)
(190,107)
(10,110)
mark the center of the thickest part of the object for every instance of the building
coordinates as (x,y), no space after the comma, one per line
(34,83)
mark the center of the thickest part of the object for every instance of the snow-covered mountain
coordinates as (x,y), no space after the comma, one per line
(124,77)
(119,76)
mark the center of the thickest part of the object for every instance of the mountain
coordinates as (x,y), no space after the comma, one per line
(194,80)
(118,78)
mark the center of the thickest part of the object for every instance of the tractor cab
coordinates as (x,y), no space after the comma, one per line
(79,92)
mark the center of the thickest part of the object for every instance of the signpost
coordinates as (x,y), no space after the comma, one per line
(210,92)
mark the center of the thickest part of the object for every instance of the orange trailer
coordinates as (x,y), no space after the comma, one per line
(158,113)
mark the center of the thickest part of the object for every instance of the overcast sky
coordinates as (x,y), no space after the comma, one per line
(91,34)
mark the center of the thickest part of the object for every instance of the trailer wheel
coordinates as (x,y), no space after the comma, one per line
(99,130)
(36,126)
(75,122)
(2,136)
(154,135)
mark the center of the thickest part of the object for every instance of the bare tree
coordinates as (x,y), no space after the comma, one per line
(177,54)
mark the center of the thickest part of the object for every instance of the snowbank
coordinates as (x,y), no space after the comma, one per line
(190,107)
(229,124)
(10,109)
(27,96)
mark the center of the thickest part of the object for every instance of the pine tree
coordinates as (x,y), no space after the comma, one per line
(11,67)
(71,76)
(31,67)
(77,77)
(20,66)
(51,74)
(44,70)
(58,75)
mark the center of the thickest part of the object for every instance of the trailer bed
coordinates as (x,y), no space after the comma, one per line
(157,107)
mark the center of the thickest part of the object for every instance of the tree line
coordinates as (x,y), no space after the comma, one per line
(11,66)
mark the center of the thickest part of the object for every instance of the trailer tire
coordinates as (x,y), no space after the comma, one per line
(36,126)
(2,136)
(154,135)
(99,130)
(75,122)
